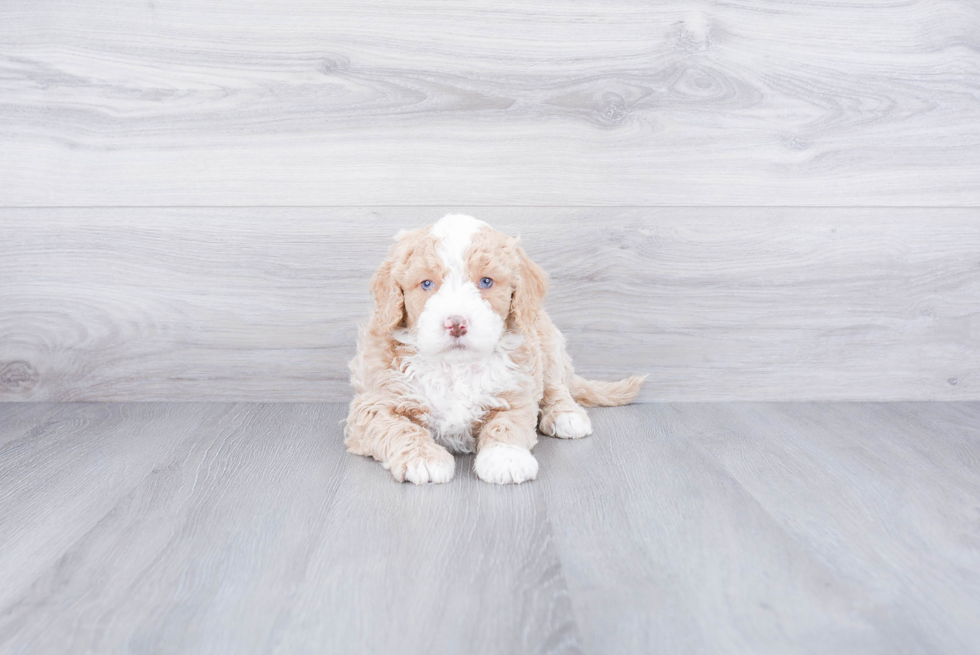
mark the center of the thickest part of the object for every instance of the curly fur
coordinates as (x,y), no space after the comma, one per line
(422,390)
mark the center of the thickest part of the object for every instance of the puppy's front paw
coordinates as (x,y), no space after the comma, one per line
(429,463)
(505,464)
(567,425)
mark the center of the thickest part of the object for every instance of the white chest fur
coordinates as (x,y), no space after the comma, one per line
(458,392)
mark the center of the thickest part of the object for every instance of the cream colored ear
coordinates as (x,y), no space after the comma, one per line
(401,234)
(532,285)
(389,302)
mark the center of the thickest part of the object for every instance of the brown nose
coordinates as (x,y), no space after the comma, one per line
(456,326)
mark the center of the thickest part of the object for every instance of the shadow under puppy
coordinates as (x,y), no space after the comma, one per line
(459,356)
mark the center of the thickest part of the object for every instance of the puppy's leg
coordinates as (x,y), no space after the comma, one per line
(403,447)
(561,416)
(566,420)
(504,446)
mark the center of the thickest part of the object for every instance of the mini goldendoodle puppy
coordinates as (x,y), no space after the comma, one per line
(459,356)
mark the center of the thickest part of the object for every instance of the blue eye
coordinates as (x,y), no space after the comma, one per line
(486,283)
(428,284)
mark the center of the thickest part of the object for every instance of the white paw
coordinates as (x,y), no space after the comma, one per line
(436,467)
(505,464)
(570,425)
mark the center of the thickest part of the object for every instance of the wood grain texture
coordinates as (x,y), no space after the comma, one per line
(60,476)
(714,303)
(456,568)
(793,528)
(676,528)
(430,102)
(261,535)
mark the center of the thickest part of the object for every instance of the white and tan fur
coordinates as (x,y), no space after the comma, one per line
(449,366)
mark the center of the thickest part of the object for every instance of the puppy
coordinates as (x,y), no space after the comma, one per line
(460,357)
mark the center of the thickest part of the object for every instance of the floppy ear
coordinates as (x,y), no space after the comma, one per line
(389,301)
(529,292)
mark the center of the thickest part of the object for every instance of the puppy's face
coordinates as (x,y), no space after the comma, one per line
(456,286)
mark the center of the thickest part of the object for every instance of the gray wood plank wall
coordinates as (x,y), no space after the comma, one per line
(263,304)
(530,102)
(748,200)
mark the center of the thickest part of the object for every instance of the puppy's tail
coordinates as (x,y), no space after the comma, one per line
(599,393)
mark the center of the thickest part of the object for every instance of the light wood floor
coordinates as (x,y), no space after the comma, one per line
(676,528)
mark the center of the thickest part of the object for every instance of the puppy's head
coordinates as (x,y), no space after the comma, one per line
(456,286)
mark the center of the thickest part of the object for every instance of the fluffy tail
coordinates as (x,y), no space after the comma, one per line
(598,393)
